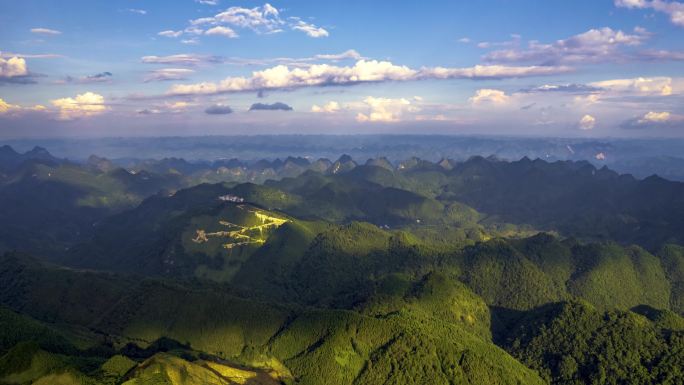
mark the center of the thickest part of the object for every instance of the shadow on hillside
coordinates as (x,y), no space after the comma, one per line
(502,320)
(162,345)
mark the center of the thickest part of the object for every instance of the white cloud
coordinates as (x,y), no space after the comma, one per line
(650,86)
(45,31)
(5,55)
(282,77)
(655,117)
(168,74)
(13,109)
(594,45)
(655,120)
(207,2)
(587,99)
(265,19)
(587,122)
(170,33)
(674,9)
(661,55)
(487,95)
(221,31)
(492,72)
(138,11)
(348,54)
(180,59)
(6,107)
(330,107)
(310,29)
(384,109)
(515,41)
(87,104)
(177,106)
(464,40)
(13,67)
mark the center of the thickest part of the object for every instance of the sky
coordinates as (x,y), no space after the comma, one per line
(594,68)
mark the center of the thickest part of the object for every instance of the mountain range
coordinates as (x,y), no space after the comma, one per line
(480,271)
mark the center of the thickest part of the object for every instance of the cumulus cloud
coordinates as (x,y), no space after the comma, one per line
(586,100)
(221,31)
(278,106)
(166,74)
(487,95)
(219,109)
(648,86)
(13,109)
(594,45)
(6,107)
(45,31)
(655,120)
(330,107)
(265,19)
(13,67)
(657,117)
(310,29)
(364,71)
(384,109)
(587,122)
(83,105)
(674,9)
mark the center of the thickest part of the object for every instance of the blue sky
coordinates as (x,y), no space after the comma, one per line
(189,67)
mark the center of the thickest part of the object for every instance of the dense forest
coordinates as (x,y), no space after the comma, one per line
(480,271)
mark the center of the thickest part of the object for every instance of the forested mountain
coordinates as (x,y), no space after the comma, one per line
(339,272)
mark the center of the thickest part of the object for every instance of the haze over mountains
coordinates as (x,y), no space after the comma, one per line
(639,157)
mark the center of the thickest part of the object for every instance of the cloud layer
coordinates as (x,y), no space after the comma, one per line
(594,45)
(283,77)
(166,74)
